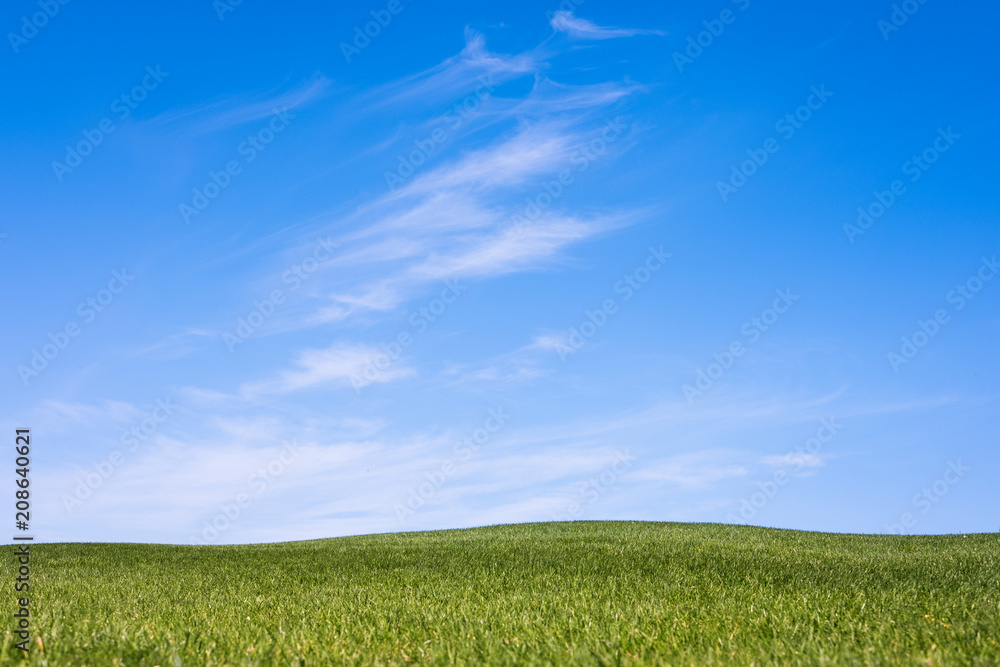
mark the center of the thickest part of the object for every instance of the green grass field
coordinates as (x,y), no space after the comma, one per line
(590,593)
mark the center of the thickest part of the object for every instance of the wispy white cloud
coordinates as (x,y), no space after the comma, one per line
(548,98)
(550,342)
(456,221)
(795,459)
(351,471)
(694,469)
(521,365)
(458,74)
(336,365)
(531,152)
(577,28)
(66,415)
(176,345)
(238,110)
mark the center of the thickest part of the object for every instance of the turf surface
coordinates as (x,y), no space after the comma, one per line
(590,593)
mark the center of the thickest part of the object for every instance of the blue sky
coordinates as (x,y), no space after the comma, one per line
(271,277)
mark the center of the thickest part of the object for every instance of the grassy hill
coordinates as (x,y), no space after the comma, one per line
(589,593)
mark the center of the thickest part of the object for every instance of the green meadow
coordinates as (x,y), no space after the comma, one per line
(581,593)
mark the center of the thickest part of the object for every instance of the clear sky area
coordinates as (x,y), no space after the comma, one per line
(281,271)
